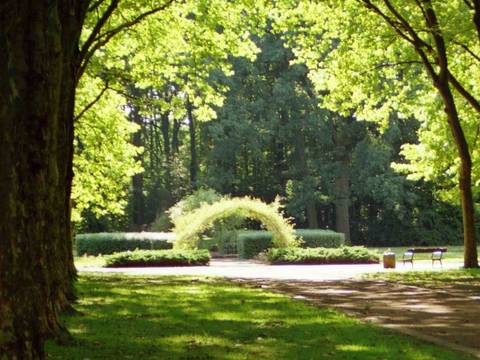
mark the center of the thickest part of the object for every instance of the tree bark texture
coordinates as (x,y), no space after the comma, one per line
(31,62)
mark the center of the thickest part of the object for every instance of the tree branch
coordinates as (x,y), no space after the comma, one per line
(96,30)
(100,40)
(95,5)
(412,36)
(476,16)
(467,49)
(90,104)
(462,91)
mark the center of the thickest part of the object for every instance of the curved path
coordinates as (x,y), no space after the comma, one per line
(249,269)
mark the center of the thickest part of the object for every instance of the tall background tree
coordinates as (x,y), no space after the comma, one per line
(418,59)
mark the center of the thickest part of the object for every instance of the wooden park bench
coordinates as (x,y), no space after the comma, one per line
(437,253)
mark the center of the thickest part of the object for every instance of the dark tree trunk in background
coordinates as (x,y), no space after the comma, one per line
(138,199)
(175,138)
(303,174)
(167,149)
(342,202)
(193,145)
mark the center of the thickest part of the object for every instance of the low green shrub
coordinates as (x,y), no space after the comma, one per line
(251,243)
(158,258)
(109,243)
(342,255)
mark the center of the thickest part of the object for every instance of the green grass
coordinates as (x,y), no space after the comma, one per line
(458,278)
(185,318)
(89,261)
(453,253)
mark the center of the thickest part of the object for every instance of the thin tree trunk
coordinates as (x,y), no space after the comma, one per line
(441,82)
(465,176)
(165,128)
(175,137)
(193,145)
(138,199)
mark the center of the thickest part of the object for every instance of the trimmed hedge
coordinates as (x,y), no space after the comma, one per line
(250,243)
(142,258)
(109,243)
(342,255)
(313,238)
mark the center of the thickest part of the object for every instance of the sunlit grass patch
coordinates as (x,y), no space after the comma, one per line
(206,318)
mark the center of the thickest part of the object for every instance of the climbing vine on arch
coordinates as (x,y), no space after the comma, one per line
(189,227)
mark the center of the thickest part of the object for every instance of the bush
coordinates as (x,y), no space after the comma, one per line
(251,243)
(109,243)
(342,255)
(158,258)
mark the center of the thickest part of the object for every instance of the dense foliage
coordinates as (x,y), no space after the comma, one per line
(109,243)
(342,255)
(287,113)
(269,137)
(158,258)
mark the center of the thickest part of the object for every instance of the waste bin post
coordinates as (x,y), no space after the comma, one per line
(389,260)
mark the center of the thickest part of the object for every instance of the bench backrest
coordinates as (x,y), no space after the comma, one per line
(427,250)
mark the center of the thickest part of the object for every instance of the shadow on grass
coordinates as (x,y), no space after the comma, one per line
(182,318)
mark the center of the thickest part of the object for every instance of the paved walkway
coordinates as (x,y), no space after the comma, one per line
(234,269)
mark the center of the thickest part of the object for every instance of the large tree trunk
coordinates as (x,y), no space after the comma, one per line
(39,44)
(31,287)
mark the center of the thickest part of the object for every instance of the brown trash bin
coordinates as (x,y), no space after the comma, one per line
(389,260)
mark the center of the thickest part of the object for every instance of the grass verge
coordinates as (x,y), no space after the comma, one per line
(186,318)
(458,278)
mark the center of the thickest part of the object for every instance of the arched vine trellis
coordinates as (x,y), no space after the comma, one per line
(189,227)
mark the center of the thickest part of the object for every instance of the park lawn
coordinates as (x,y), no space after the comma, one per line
(458,278)
(122,317)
